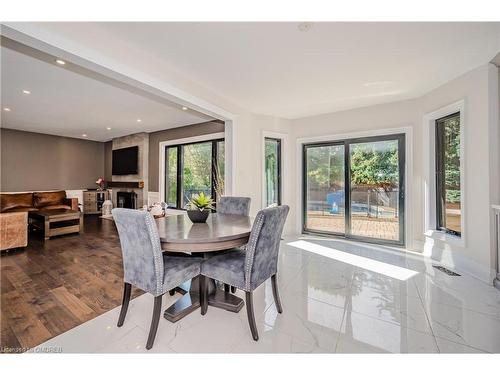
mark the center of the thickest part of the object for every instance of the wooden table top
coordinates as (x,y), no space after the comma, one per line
(54,212)
(220,232)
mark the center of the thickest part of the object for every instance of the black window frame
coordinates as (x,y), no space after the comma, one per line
(166,171)
(439,150)
(278,142)
(401,138)
(180,166)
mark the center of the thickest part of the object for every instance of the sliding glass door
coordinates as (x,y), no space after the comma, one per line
(355,188)
(376,174)
(324,191)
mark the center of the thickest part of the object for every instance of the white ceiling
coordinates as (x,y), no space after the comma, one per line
(275,69)
(70,104)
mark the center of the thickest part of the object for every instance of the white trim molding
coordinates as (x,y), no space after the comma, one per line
(283,163)
(410,244)
(429,141)
(181,141)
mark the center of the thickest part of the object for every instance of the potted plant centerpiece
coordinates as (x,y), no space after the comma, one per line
(199,207)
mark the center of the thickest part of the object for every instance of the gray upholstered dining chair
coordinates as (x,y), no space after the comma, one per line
(234,206)
(247,269)
(144,265)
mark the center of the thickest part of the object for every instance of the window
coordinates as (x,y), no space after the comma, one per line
(448,197)
(193,168)
(220,169)
(272,171)
(354,188)
(171,166)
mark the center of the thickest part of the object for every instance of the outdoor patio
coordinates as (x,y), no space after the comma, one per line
(383,228)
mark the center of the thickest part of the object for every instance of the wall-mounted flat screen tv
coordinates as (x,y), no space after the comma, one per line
(125,160)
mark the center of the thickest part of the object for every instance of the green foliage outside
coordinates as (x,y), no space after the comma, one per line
(375,165)
(372,165)
(452,159)
(271,168)
(196,171)
(325,167)
(197,168)
(172,177)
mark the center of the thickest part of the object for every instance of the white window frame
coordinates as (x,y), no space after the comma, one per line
(429,152)
(182,141)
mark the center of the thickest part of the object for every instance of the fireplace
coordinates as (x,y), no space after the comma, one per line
(126,199)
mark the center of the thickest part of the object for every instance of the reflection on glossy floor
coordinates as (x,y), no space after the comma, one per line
(362,299)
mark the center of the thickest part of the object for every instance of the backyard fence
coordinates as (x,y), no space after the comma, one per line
(376,203)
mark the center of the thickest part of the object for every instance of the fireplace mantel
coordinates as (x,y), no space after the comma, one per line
(126,184)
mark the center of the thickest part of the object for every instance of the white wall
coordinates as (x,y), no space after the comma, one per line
(479,90)
(248,133)
(481,168)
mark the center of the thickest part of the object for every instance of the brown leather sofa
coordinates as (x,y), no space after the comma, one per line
(14,208)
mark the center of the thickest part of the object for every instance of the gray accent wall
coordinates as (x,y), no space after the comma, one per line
(34,161)
(170,134)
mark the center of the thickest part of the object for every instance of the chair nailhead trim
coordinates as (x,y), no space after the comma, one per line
(251,249)
(157,254)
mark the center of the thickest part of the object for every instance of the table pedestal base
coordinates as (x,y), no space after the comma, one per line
(190,301)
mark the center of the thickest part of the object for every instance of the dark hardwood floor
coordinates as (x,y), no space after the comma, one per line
(53,286)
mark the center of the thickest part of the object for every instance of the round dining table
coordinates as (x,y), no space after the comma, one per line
(181,237)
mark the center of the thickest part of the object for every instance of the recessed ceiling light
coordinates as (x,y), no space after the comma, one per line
(184,108)
(61,62)
(305,26)
(139,120)
(84,135)
(6,109)
(27,92)
(108,128)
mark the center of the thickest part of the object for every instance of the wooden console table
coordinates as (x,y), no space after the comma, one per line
(93,200)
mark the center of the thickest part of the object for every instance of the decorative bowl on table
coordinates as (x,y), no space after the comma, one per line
(157,210)
(197,216)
